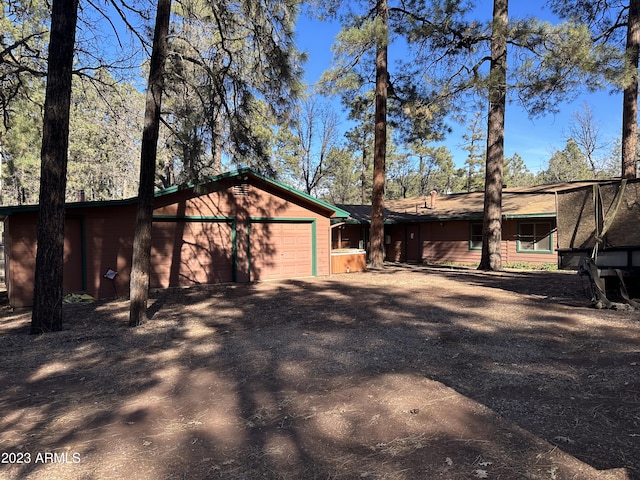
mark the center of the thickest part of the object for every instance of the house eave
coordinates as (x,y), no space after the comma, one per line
(334,211)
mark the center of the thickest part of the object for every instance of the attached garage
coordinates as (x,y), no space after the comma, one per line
(282,249)
(188,252)
(236,227)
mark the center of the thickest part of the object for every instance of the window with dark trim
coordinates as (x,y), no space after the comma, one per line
(475,236)
(535,237)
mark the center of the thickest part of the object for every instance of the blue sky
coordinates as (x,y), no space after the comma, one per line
(533,139)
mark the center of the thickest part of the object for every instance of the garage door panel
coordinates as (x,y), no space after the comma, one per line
(190,253)
(280,250)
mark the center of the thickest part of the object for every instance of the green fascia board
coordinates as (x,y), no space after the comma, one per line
(216,178)
(531,215)
(477,216)
(348,220)
(338,211)
(193,218)
(471,217)
(282,219)
(248,171)
(9,210)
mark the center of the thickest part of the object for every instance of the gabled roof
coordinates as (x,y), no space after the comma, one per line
(339,213)
(243,172)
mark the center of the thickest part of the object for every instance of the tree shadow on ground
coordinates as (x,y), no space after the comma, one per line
(398,375)
(569,287)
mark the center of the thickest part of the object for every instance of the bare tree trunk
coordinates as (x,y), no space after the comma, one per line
(48,287)
(380,143)
(363,173)
(492,219)
(141,263)
(630,96)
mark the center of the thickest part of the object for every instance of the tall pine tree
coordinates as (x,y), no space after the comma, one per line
(492,218)
(376,235)
(615,25)
(141,263)
(47,301)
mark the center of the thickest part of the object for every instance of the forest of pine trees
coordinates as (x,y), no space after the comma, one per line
(202,133)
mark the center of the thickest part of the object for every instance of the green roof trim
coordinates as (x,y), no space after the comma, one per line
(10,209)
(469,217)
(531,215)
(248,171)
(216,178)
(339,213)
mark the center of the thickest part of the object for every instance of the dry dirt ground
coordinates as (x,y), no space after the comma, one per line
(402,373)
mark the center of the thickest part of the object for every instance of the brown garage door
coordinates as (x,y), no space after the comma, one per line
(190,253)
(281,250)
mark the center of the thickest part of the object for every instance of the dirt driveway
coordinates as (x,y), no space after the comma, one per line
(403,373)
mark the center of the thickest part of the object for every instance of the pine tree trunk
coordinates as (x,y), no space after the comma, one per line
(48,286)
(630,95)
(141,262)
(380,144)
(492,219)
(363,173)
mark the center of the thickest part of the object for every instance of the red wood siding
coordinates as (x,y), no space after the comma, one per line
(108,246)
(190,253)
(20,251)
(448,241)
(510,253)
(193,240)
(73,256)
(255,202)
(323,246)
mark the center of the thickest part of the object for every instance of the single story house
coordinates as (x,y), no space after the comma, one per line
(236,227)
(556,223)
(448,228)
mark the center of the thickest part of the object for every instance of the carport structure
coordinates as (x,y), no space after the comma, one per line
(236,227)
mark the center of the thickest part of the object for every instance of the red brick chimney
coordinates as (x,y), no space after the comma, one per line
(433,194)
